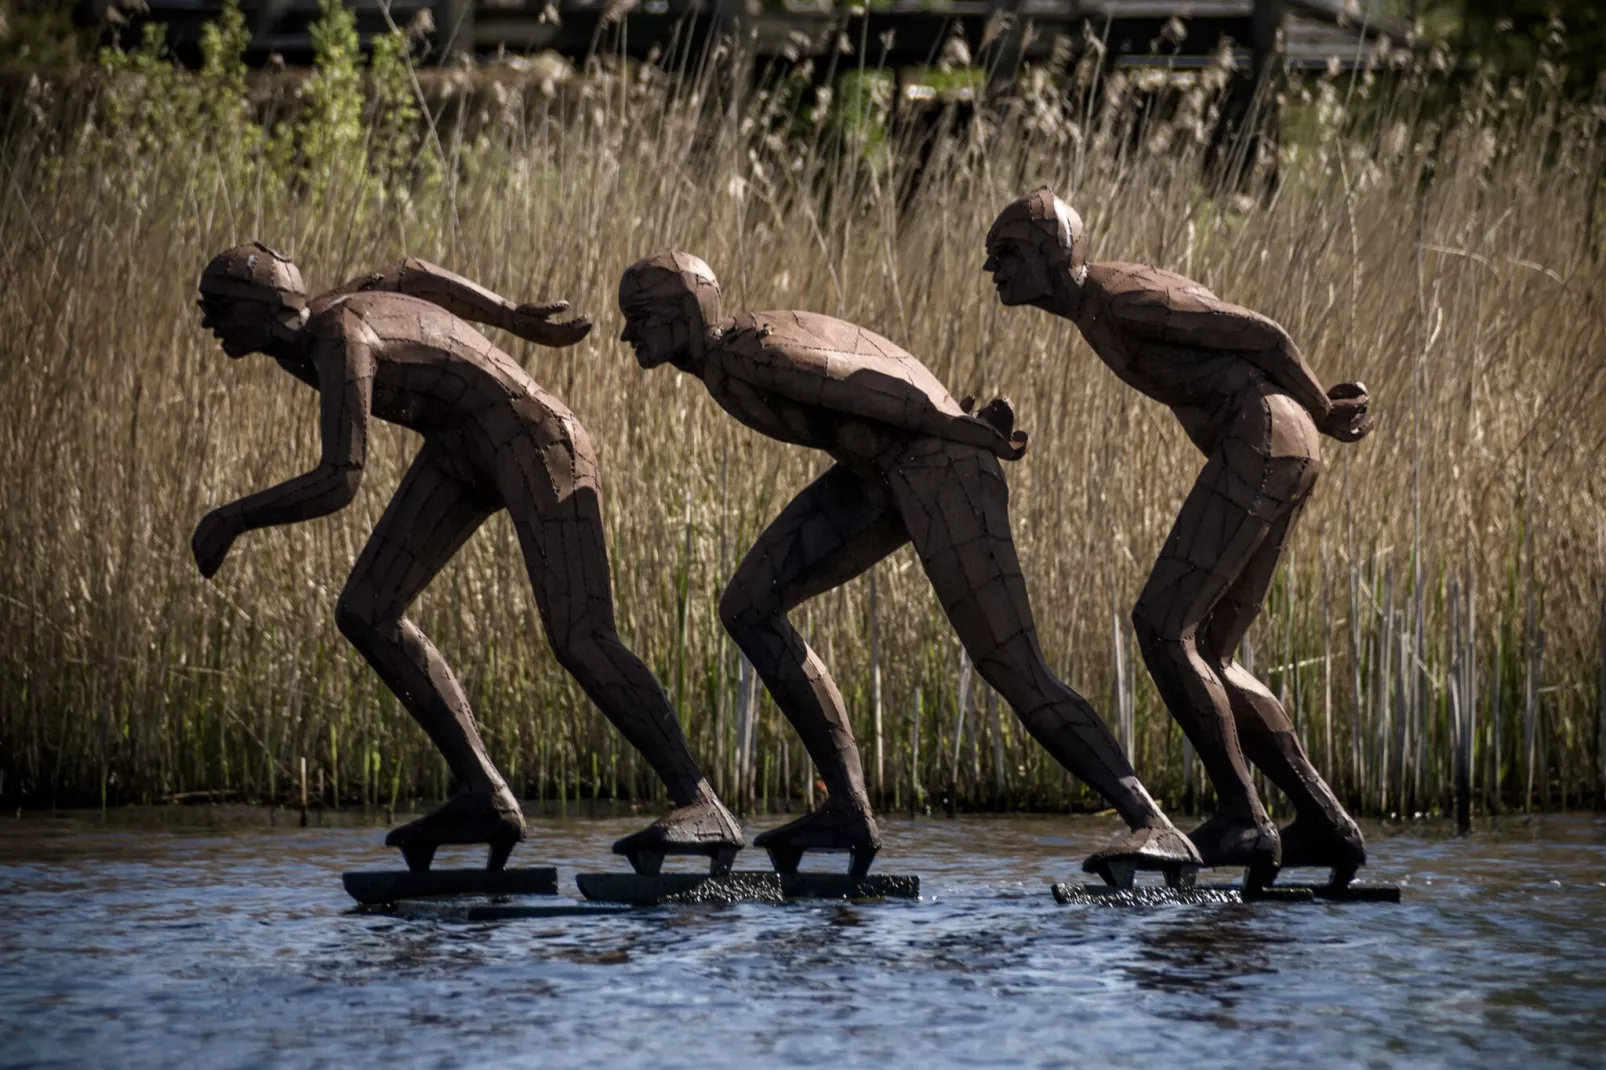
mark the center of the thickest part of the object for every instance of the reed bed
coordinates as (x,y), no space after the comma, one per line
(1439,621)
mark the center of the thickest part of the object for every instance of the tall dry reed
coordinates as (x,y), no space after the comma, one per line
(1441,610)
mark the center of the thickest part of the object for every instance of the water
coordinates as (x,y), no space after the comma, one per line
(234,946)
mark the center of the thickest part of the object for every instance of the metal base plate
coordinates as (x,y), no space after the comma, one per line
(372,887)
(642,889)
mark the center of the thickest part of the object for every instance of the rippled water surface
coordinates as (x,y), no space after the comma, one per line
(168,944)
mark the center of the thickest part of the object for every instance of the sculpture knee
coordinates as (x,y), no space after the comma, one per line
(580,646)
(740,612)
(1160,639)
(355,624)
(1017,685)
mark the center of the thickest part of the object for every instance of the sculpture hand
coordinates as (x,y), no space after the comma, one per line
(534,323)
(213,536)
(1016,449)
(1350,418)
(1000,414)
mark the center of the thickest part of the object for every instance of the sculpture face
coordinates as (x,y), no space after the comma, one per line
(658,331)
(669,302)
(241,326)
(1019,272)
(250,297)
(1036,246)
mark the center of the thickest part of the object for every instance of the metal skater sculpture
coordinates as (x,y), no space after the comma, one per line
(393,344)
(1251,404)
(913,465)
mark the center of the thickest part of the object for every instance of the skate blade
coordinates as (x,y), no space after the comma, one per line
(649,861)
(742,886)
(374,887)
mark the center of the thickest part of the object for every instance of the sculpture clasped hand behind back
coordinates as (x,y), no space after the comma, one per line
(912,465)
(1248,400)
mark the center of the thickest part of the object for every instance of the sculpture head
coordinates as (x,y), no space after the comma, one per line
(251,298)
(1033,246)
(672,306)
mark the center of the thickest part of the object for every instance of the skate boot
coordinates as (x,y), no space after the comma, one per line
(703,827)
(464,818)
(834,827)
(1333,841)
(1162,849)
(1223,841)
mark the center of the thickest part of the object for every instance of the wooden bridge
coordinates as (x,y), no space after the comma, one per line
(996,35)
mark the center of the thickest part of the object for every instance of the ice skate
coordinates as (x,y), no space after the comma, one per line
(1163,850)
(1336,845)
(1223,841)
(1167,851)
(708,828)
(833,827)
(703,827)
(464,819)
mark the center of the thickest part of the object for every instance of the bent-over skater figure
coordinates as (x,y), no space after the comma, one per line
(392,345)
(1252,405)
(913,465)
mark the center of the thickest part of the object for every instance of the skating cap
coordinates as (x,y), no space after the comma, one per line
(668,279)
(1043,222)
(255,272)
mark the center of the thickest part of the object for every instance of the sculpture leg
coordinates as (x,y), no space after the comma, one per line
(552,495)
(426,523)
(1323,833)
(1256,475)
(955,503)
(838,527)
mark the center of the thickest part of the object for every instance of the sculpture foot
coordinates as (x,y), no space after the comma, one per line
(1333,842)
(418,856)
(1222,841)
(1163,850)
(704,827)
(830,828)
(463,819)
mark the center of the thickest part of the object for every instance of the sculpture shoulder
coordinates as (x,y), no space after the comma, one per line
(395,317)
(1138,285)
(1161,305)
(834,349)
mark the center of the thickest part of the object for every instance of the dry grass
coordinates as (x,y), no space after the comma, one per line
(1453,265)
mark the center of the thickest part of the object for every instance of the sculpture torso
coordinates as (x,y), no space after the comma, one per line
(431,370)
(822,357)
(1132,317)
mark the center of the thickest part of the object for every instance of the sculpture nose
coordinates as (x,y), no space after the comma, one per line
(991,264)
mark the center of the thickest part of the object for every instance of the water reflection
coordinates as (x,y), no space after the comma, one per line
(1212,956)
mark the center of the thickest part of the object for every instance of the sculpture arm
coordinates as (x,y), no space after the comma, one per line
(467,300)
(1193,316)
(863,393)
(344,369)
(346,374)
